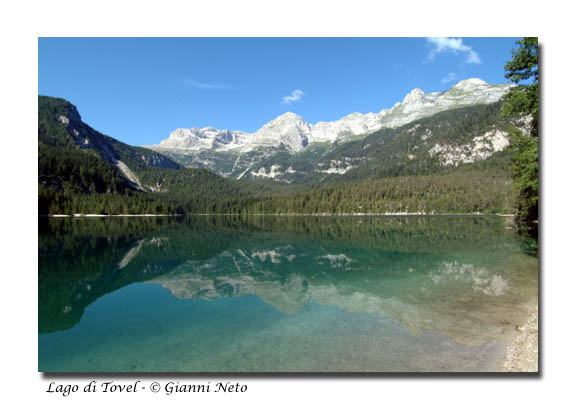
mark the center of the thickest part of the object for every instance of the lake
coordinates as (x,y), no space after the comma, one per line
(282,294)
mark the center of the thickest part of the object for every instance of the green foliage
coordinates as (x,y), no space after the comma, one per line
(522,100)
(139,159)
(467,190)
(72,180)
(525,170)
(77,171)
(50,130)
(76,166)
(197,190)
(406,150)
(60,125)
(393,172)
(523,70)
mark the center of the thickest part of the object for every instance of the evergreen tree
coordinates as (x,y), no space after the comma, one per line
(522,100)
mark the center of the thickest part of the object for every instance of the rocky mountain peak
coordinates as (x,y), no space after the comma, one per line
(287,118)
(470,84)
(290,130)
(288,115)
(416,95)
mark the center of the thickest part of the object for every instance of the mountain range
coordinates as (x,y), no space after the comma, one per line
(427,139)
(263,154)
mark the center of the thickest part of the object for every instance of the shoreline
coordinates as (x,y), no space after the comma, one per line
(522,353)
(82,215)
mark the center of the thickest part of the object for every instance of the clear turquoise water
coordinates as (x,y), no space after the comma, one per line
(212,294)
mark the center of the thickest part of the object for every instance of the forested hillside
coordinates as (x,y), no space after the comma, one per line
(485,189)
(81,170)
(446,163)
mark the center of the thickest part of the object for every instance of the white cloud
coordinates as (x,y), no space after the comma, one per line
(473,58)
(295,96)
(207,85)
(449,78)
(453,45)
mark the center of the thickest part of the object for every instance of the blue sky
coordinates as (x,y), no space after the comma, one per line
(138,90)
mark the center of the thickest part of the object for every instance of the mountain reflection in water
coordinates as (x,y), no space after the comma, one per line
(462,283)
